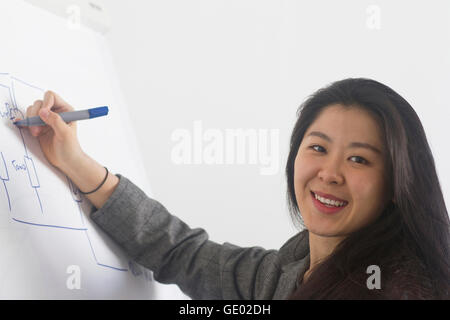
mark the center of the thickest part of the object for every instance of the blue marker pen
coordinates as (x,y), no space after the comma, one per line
(66,116)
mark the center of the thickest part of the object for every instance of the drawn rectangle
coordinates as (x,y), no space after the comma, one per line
(32,174)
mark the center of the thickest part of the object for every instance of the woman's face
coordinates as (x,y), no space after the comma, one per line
(341,155)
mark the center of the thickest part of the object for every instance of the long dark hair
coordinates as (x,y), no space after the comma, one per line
(410,240)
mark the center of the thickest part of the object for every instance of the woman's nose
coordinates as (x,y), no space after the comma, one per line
(331,174)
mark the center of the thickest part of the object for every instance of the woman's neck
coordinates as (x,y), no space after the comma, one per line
(320,247)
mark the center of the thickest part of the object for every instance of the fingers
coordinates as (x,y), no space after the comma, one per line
(33,111)
(53,120)
(48,110)
(54,102)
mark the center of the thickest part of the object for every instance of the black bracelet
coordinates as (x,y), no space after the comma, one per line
(101,184)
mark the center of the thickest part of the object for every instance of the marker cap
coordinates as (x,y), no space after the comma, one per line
(98,112)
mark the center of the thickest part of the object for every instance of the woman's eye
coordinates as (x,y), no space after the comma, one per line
(359,159)
(314,147)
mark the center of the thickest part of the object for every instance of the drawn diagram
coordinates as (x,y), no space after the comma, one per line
(22,167)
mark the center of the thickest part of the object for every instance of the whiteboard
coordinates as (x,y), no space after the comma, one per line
(49,247)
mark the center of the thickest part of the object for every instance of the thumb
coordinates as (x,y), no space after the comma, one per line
(53,120)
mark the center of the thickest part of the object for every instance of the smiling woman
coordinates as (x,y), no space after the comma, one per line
(362,182)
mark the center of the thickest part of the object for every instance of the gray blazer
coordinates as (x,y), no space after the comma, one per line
(202,269)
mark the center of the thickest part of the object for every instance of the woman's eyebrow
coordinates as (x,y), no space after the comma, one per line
(351,145)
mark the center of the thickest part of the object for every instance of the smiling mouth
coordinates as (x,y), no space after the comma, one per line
(329,202)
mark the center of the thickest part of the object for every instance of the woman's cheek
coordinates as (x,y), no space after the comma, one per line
(305,170)
(368,193)
(302,175)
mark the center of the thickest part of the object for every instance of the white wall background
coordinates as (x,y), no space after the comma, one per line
(249,64)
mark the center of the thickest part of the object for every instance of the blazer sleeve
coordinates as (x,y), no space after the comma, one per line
(177,254)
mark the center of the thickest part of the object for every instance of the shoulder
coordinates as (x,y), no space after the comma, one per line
(295,248)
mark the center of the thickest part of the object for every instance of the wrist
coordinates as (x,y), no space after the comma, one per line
(88,175)
(99,186)
(78,163)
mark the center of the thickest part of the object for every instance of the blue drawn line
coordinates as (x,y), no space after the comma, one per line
(92,249)
(118,269)
(95,258)
(26,83)
(15,107)
(6,179)
(7,194)
(13,96)
(6,168)
(7,113)
(34,184)
(81,213)
(74,190)
(39,199)
(76,197)
(48,225)
(23,141)
(12,93)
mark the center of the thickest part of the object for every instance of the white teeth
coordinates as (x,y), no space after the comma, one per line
(329,202)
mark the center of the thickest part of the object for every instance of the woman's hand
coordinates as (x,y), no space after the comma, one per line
(60,145)
(58,140)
